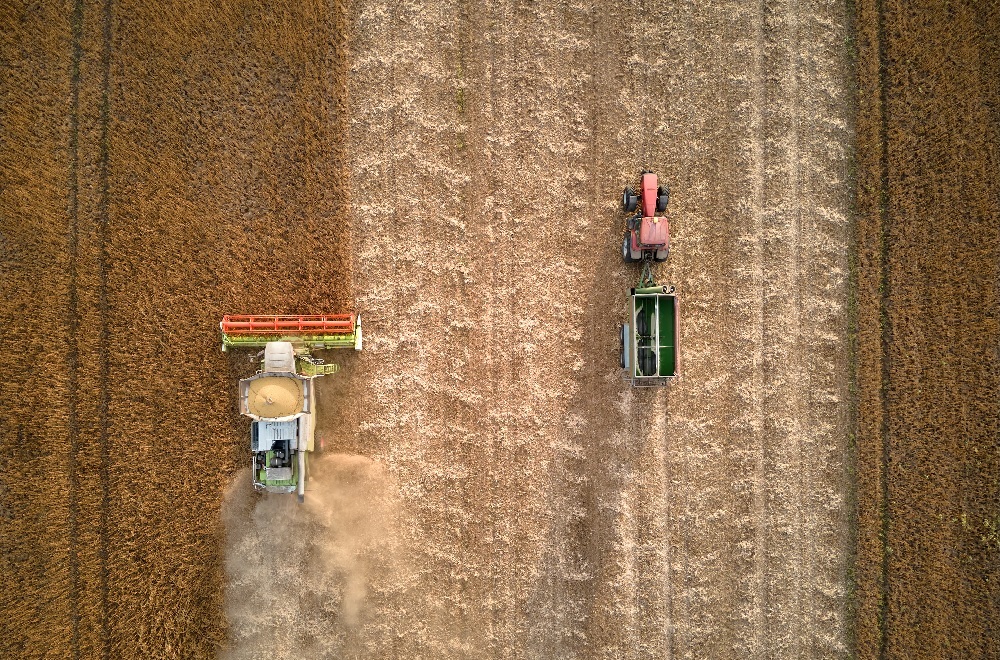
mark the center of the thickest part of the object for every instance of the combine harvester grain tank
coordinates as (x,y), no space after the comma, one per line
(281,397)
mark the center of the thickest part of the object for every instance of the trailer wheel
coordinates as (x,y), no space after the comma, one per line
(622,360)
(629,200)
(642,325)
(662,198)
(647,364)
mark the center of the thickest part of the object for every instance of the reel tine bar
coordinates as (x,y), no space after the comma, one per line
(273,324)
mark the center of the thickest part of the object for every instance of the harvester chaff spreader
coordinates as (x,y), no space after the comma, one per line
(650,336)
(281,397)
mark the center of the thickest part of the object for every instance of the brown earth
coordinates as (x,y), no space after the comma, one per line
(517,499)
(545,509)
(928,444)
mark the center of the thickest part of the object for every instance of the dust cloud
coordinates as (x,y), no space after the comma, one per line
(299,574)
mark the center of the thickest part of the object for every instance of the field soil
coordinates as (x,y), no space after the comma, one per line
(541,507)
(928,559)
(490,487)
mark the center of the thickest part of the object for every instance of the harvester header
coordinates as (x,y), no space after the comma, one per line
(281,398)
(309,331)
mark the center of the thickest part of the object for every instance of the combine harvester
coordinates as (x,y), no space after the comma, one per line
(281,397)
(649,338)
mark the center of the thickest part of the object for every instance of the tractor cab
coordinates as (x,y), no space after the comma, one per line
(647,228)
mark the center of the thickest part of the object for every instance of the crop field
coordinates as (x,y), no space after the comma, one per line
(162,165)
(489,486)
(928,561)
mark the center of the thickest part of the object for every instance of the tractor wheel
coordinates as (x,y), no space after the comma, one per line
(629,200)
(661,255)
(627,247)
(662,198)
(647,363)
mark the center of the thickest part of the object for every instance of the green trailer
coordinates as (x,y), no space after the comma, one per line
(650,355)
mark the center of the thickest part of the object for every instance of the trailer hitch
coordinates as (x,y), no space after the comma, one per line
(646,279)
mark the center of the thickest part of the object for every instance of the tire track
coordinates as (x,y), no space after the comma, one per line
(885,330)
(104,406)
(780,394)
(760,595)
(591,532)
(72,353)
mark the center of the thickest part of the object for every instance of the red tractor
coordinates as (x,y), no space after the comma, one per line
(648,234)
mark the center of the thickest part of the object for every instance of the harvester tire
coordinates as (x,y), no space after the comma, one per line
(629,200)
(662,198)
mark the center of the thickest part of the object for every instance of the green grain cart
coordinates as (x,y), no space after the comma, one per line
(650,354)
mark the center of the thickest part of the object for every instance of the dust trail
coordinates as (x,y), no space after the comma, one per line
(299,574)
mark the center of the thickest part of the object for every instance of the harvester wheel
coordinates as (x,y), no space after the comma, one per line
(629,200)
(627,249)
(662,198)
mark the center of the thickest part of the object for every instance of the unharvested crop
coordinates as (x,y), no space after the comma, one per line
(163,164)
(928,575)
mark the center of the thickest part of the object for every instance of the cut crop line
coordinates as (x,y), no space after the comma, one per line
(73,313)
(757,377)
(805,569)
(104,342)
(885,329)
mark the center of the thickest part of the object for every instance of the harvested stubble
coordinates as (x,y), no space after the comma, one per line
(928,561)
(205,144)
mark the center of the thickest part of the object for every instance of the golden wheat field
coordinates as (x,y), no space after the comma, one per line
(821,482)
(928,369)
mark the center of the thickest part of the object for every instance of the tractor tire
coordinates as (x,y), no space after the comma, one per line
(629,200)
(662,198)
(627,249)
(661,255)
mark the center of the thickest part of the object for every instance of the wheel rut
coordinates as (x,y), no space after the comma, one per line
(105,348)
(73,323)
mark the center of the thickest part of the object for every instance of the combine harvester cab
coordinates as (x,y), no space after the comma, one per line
(281,397)
(650,354)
